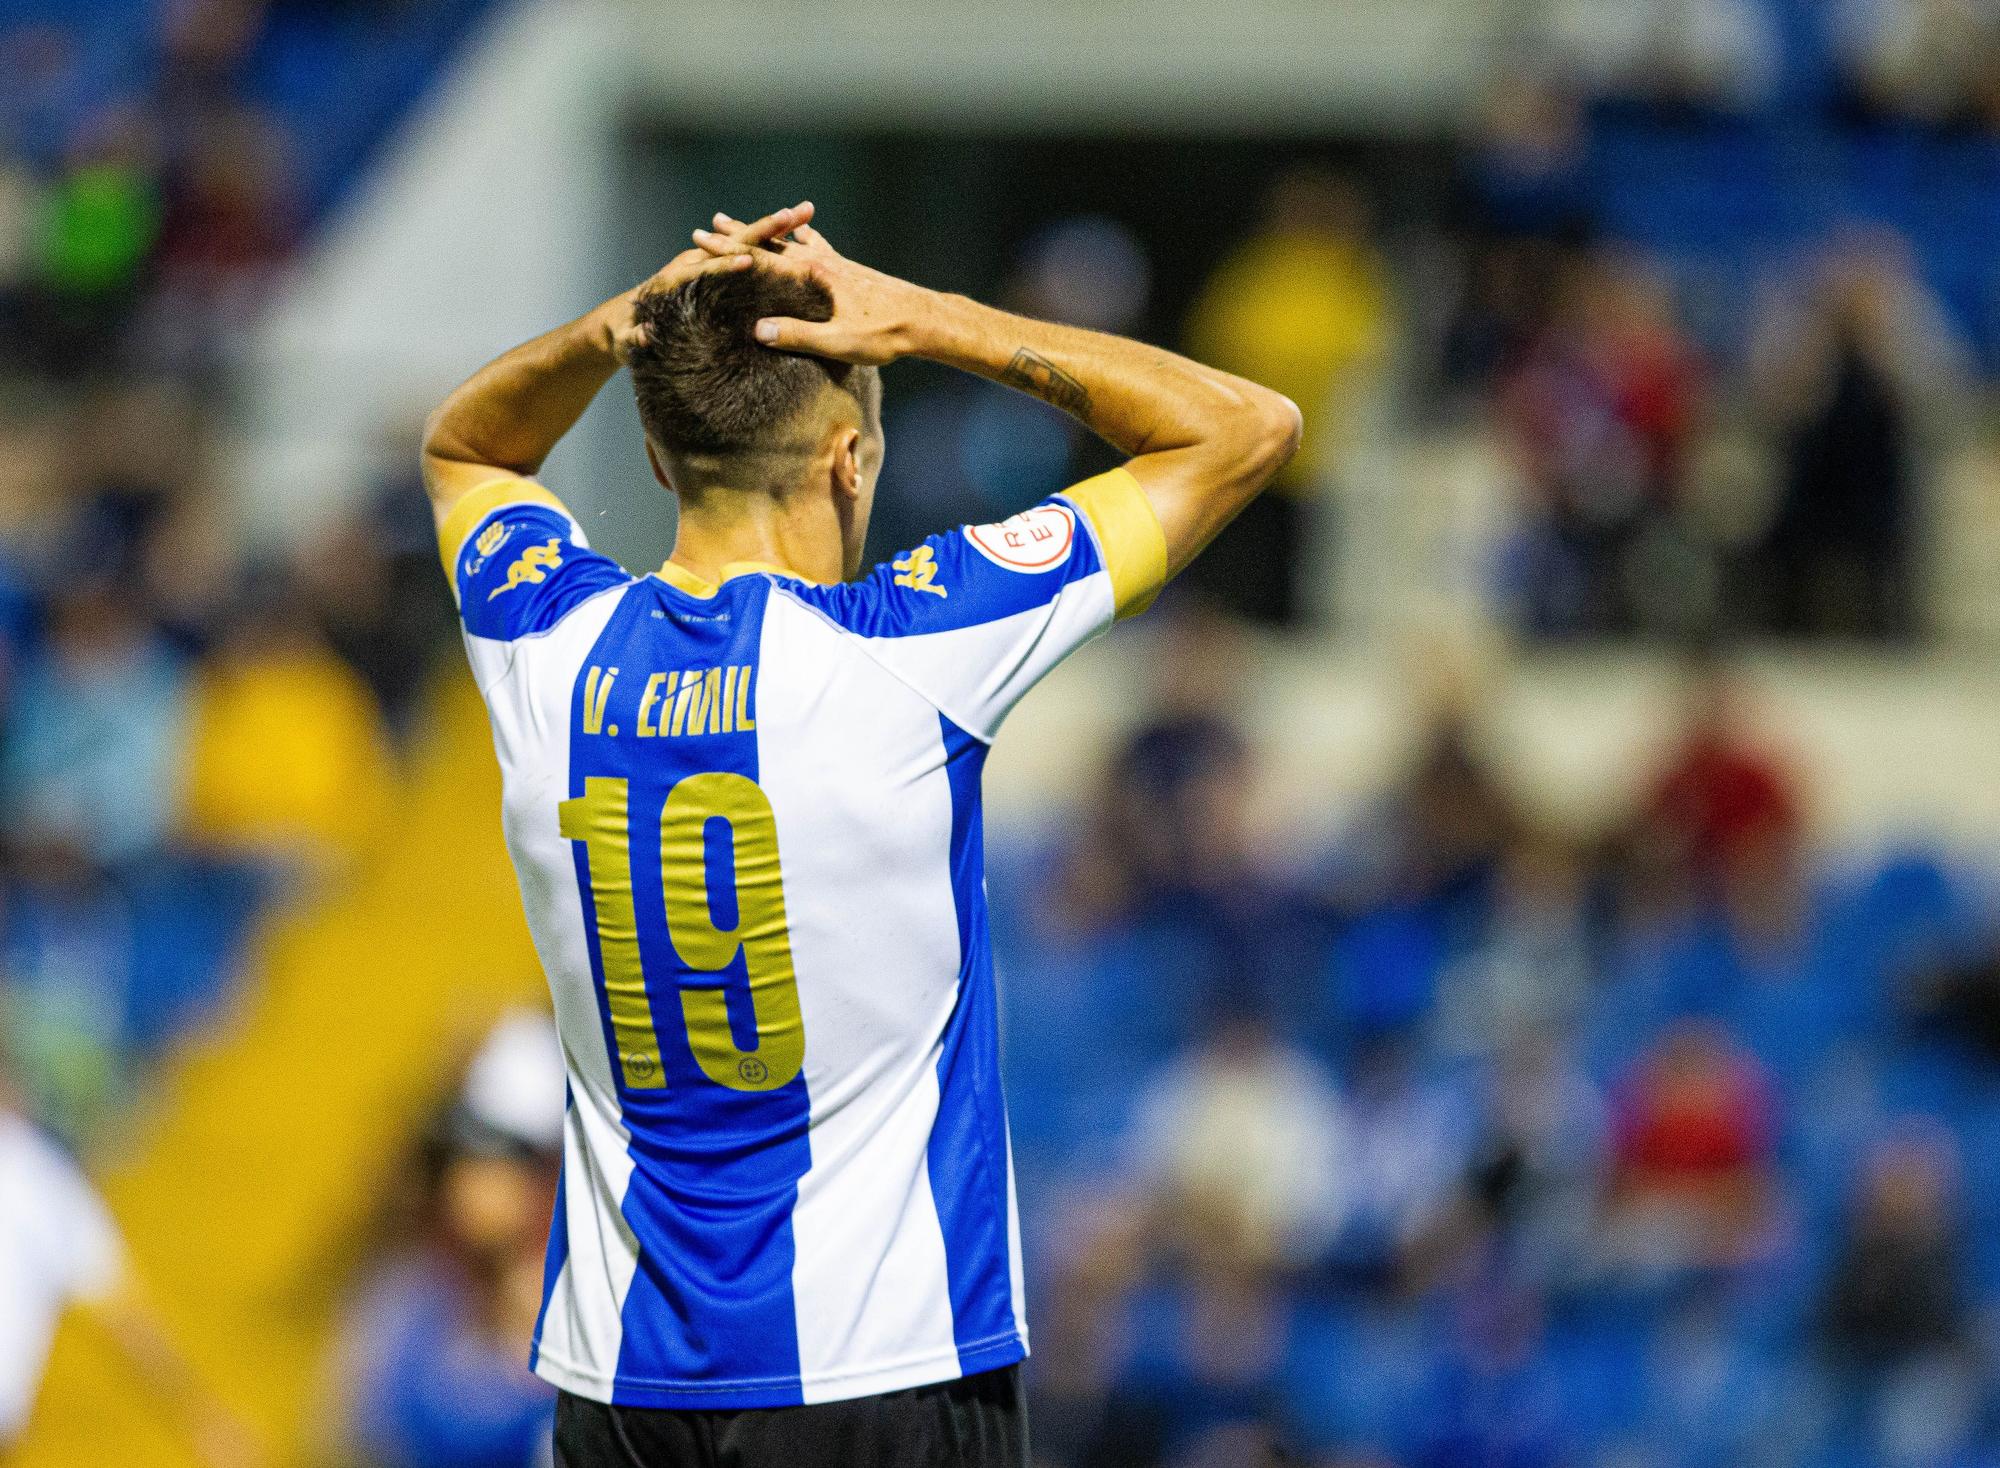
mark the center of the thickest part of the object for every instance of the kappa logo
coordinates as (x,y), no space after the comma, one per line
(1033,541)
(535,564)
(920,570)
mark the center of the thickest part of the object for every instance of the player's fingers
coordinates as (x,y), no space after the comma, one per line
(769,229)
(788,334)
(798,213)
(806,234)
(796,263)
(737,231)
(718,243)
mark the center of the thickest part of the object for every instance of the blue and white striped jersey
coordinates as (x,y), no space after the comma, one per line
(746,822)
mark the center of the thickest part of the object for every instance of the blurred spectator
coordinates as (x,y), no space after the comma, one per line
(1708,55)
(1692,1184)
(1409,1147)
(204,45)
(1714,1391)
(1932,62)
(1203,1391)
(1539,1163)
(227,224)
(1526,165)
(1247,1133)
(1171,819)
(1722,802)
(1416,879)
(287,757)
(1531,969)
(1958,1000)
(99,221)
(19,205)
(98,727)
(370,581)
(70,956)
(1896,1291)
(1895,1314)
(1526,191)
(1839,376)
(436,1373)
(1449,820)
(1599,414)
(1088,271)
(1305,306)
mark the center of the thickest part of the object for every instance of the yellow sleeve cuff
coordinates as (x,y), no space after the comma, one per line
(1129,536)
(466,513)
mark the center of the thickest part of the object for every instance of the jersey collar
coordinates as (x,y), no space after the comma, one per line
(683,579)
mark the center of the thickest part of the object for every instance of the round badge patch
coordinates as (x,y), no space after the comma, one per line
(1034,540)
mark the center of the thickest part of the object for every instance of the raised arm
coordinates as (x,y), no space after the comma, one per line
(1202,442)
(507,417)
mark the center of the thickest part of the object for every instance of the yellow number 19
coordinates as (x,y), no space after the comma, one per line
(600,819)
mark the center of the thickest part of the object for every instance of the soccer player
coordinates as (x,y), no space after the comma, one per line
(742,798)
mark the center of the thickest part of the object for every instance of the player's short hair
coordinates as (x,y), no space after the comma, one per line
(707,388)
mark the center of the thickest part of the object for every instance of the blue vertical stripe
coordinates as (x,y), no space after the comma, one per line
(709,1319)
(968,1149)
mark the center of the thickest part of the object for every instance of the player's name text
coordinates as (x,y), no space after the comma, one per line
(673,704)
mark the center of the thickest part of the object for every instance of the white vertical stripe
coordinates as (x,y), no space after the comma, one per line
(582,1331)
(853,762)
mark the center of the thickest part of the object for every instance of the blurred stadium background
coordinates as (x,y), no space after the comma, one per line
(1501,968)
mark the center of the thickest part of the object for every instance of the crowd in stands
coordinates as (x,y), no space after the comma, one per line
(1709,435)
(1692,437)
(1474,1139)
(192,728)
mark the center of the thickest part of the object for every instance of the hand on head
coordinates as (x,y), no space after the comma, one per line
(872,312)
(730,247)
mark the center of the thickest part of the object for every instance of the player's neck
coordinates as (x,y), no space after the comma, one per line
(727,529)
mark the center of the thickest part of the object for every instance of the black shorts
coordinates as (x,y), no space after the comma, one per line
(975,1422)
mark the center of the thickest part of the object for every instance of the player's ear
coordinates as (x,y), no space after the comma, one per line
(847,463)
(659,469)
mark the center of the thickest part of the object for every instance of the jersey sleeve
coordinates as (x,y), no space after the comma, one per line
(518,560)
(974,618)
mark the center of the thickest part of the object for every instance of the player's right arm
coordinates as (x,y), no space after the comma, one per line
(1202,443)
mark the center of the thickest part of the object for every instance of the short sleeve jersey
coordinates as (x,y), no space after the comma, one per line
(746,821)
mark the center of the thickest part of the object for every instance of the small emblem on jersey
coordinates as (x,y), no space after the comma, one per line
(490,538)
(753,1071)
(1034,540)
(919,571)
(534,565)
(639,1067)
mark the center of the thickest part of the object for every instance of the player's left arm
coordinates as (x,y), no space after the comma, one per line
(503,421)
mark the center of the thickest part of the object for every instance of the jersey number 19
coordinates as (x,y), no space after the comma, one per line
(600,819)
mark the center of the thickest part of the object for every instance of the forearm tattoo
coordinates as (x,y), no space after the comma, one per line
(1033,373)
